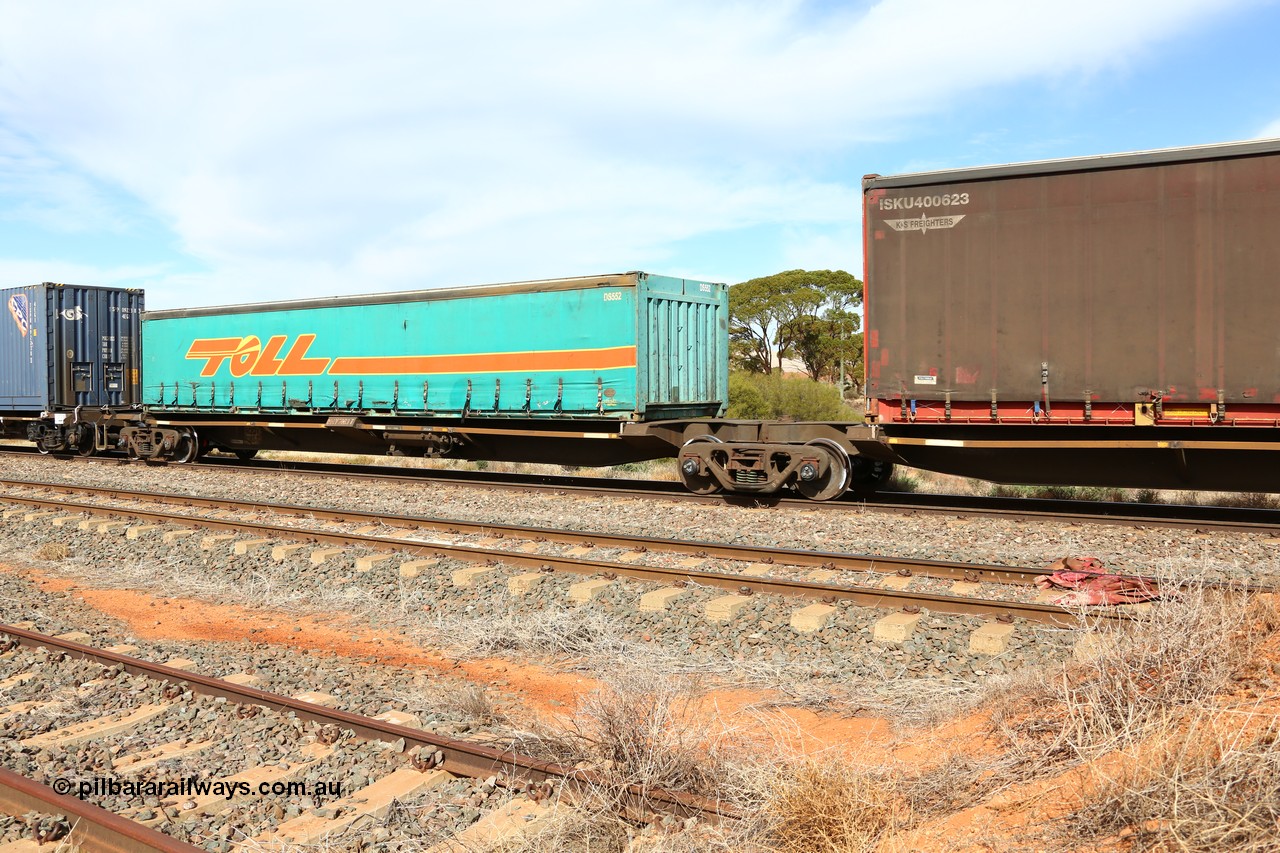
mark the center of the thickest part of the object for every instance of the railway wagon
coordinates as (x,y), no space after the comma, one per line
(1099,321)
(67,353)
(538,371)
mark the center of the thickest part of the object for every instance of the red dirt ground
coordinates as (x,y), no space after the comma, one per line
(1010,820)
(539,690)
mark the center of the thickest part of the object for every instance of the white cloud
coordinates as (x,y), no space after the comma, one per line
(829,249)
(1271,131)
(22,271)
(300,147)
(44,193)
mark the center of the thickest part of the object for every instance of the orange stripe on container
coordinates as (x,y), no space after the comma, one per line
(500,362)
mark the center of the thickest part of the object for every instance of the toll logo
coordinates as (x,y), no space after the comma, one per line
(249,356)
(20,310)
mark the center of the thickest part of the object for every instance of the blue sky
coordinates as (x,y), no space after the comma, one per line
(243,151)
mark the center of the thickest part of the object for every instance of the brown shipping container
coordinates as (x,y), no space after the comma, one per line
(1091,285)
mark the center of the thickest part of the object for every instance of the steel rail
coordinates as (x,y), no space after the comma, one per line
(861,595)
(1162,516)
(461,757)
(93,828)
(941,569)
(1247,519)
(946,570)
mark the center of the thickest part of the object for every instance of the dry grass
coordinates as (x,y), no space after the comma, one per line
(1147,712)
(1210,784)
(645,730)
(1129,681)
(558,635)
(1246,500)
(591,642)
(430,697)
(269,587)
(640,732)
(53,551)
(916,480)
(1203,770)
(473,702)
(826,806)
(1187,652)
(578,828)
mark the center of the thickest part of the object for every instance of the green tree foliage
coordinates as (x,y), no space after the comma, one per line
(821,343)
(746,399)
(757,396)
(807,314)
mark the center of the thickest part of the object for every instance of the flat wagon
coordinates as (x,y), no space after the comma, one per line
(1099,321)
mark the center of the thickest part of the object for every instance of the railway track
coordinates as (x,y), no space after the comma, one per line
(867,581)
(82,825)
(1173,516)
(415,761)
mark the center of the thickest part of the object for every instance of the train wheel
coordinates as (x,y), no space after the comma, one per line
(245,455)
(187,449)
(832,483)
(699,484)
(88,442)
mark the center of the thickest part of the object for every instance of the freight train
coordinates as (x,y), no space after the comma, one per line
(1097,321)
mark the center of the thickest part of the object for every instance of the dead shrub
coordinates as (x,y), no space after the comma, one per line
(645,730)
(53,551)
(640,732)
(573,829)
(1203,778)
(475,703)
(645,733)
(955,782)
(472,702)
(828,806)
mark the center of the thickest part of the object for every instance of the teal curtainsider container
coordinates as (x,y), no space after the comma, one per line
(628,346)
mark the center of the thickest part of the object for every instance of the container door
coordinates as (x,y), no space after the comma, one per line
(685,337)
(95,335)
(24,377)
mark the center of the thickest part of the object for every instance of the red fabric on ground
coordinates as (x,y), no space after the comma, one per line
(1086,581)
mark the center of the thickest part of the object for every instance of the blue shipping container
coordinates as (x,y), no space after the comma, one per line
(623,346)
(65,345)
